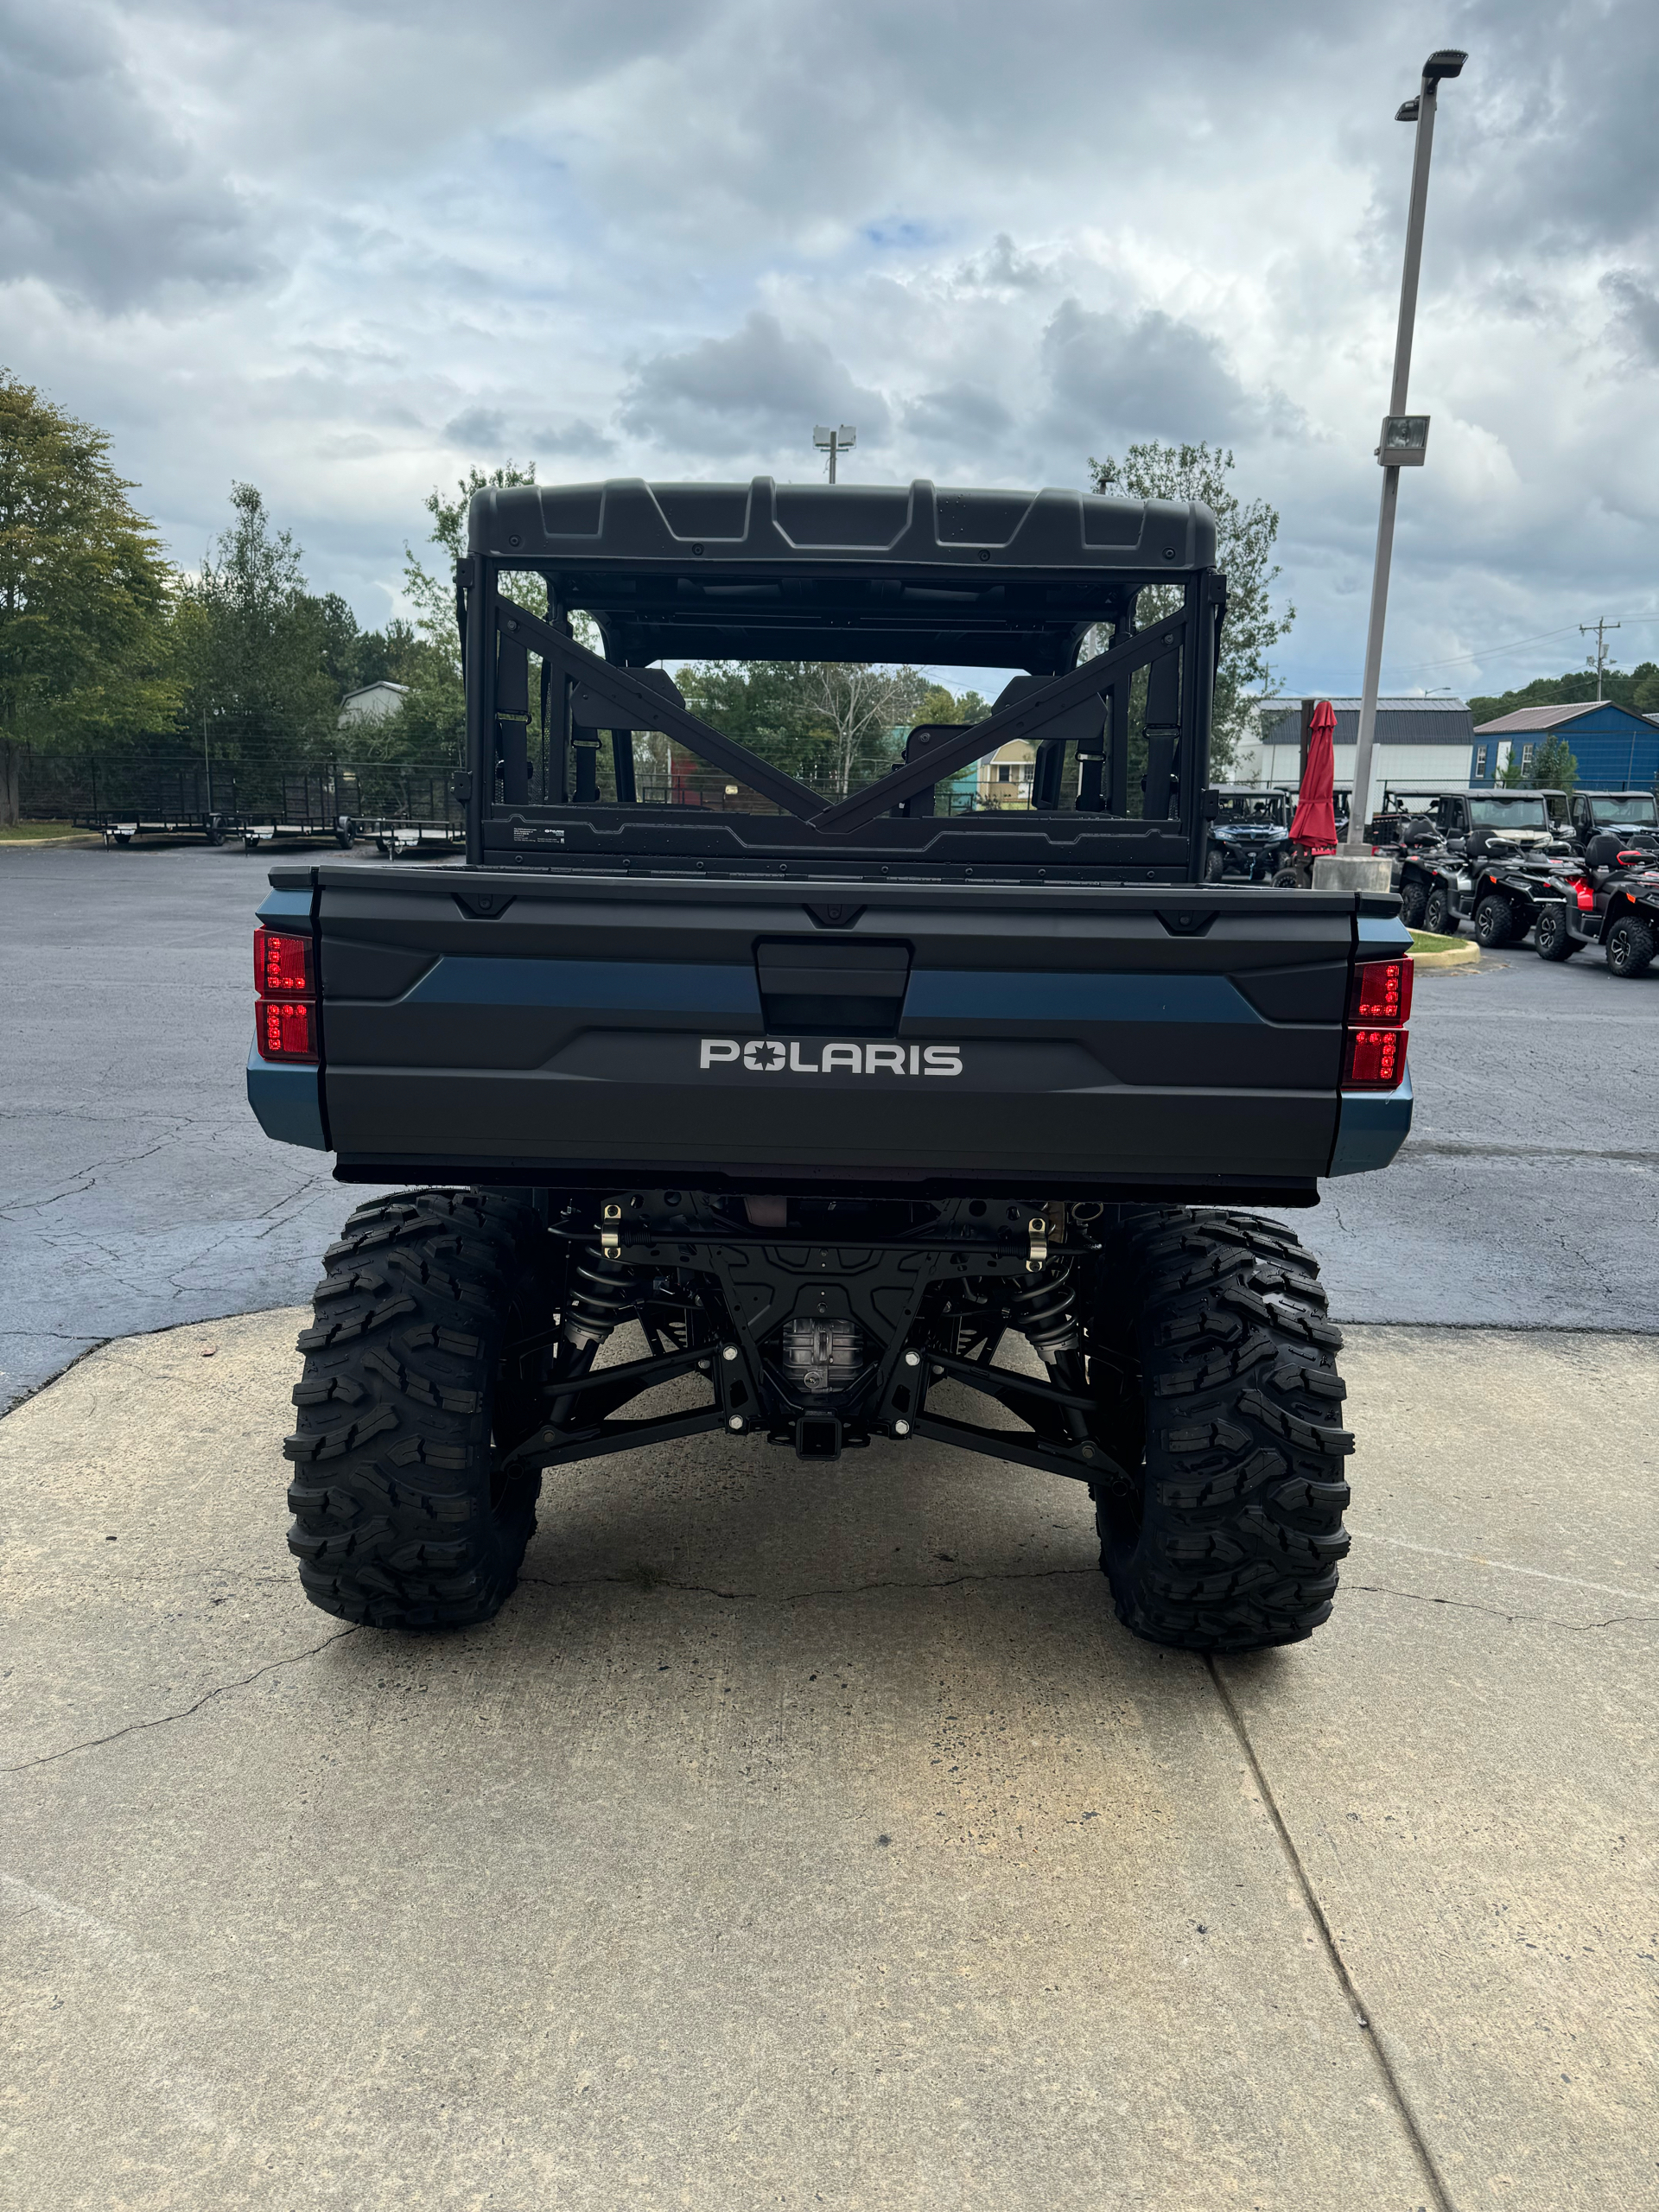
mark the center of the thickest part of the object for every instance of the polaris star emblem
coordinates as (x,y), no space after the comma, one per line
(772,1055)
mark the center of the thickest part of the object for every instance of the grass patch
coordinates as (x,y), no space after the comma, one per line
(26,832)
(1421,941)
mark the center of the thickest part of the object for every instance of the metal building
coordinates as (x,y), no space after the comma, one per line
(1616,748)
(1422,743)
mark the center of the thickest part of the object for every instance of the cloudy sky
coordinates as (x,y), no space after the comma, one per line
(345,247)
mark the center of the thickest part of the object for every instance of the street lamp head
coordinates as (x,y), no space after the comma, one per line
(1409,110)
(823,438)
(1445,61)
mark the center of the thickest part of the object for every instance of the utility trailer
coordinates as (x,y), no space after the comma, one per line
(821,1096)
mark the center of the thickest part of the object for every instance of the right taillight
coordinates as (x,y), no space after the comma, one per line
(285,1012)
(1379,1004)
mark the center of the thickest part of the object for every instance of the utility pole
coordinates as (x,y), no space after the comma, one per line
(833,442)
(1404,442)
(1598,631)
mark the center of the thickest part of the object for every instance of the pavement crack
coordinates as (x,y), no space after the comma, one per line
(166,1719)
(1497,1613)
(645,1580)
(1364,2020)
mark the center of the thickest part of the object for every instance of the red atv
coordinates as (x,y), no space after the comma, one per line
(1613,900)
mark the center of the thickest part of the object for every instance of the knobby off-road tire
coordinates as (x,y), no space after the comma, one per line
(1215,1369)
(403,1516)
(1551,938)
(1438,919)
(1630,947)
(1494,920)
(1414,898)
(1287,878)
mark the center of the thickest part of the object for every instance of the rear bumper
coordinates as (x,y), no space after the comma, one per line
(1372,1126)
(287,1102)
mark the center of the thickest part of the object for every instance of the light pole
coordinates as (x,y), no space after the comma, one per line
(834,441)
(1404,441)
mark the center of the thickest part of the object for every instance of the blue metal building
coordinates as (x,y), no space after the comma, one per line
(1616,749)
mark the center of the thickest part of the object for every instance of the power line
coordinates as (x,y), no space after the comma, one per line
(1486,652)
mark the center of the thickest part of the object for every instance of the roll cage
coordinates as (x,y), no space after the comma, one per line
(839,573)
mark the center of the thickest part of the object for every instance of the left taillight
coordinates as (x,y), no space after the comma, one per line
(1379,1005)
(284,975)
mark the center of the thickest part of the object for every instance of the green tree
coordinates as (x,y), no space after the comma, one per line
(1554,766)
(1245,542)
(85,591)
(1639,691)
(259,646)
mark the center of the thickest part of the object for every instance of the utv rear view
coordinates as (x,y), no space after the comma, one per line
(825,1116)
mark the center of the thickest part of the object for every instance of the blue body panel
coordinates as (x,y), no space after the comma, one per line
(287,1101)
(1374,1125)
(605,986)
(969,995)
(282,906)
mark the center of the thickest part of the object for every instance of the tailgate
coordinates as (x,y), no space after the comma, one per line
(488,1024)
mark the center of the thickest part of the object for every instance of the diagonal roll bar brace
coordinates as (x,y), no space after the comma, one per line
(1021,718)
(639,706)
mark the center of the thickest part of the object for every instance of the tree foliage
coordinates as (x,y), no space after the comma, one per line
(85,591)
(832,724)
(1245,535)
(1639,691)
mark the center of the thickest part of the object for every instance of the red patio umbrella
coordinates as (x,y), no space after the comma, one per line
(1314,824)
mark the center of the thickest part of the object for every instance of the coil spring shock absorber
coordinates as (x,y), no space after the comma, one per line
(1045,1314)
(601,1296)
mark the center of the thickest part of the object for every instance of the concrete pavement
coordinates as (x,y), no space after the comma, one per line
(819,1838)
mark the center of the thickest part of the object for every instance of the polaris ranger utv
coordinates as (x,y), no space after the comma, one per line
(822,1093)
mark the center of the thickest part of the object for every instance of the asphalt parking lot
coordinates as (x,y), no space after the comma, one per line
(136,1191)
(813,1838)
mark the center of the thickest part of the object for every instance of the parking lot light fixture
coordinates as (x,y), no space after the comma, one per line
(1403,441)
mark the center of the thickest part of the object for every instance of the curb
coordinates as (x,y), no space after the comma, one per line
(1454,956)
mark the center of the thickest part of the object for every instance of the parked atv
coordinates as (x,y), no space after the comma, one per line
(1249,833)
(1613,900)
(1439,886)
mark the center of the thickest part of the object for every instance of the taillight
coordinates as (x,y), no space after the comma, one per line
(1382,991)
(282,964)
(1376,1058)
(1374,1055)
(285,1013)
(286,1029)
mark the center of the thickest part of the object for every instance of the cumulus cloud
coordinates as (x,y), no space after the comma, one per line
(1149,375)
(336,250)
(754,390)
(99,195)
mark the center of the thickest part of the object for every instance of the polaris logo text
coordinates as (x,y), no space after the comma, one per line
(772,1056)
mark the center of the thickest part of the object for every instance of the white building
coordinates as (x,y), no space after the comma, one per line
(1420,744)
(372,703)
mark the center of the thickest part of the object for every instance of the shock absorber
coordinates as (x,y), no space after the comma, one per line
(1045,1314)
(601,1295)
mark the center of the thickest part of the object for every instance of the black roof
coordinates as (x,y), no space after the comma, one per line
(841,571)
(1399,722)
